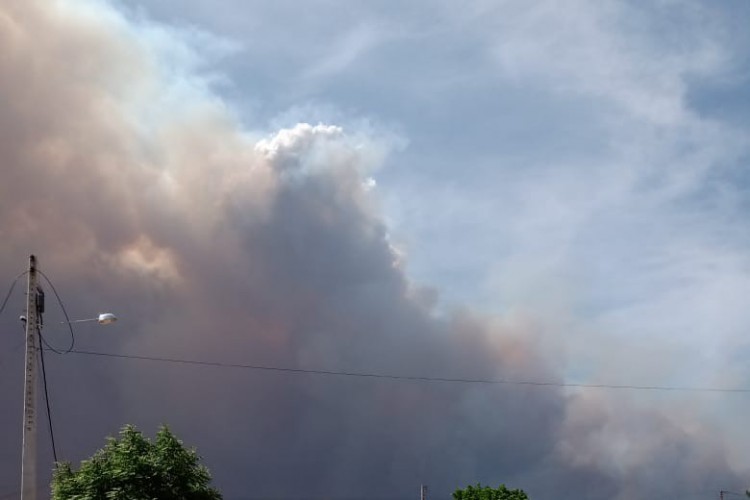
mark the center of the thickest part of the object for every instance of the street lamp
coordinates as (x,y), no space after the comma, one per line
(102,319)
(34,310)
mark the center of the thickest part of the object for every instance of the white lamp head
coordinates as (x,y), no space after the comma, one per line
(106,318)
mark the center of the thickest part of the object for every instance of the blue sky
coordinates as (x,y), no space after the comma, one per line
(572,176)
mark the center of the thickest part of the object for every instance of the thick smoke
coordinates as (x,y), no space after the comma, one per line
(140,193)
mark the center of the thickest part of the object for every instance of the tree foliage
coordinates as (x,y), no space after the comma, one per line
(480,492)
(134,468)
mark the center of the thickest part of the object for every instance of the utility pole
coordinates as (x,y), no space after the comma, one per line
(423,492)
(28,457)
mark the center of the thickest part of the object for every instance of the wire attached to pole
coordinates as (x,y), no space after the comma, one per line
(46,400)
(10,290)
(57,351)
(67,320)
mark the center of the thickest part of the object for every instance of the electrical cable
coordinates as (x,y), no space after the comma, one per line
(10,291)
(67,319)
(411,378)
(46,400)
(52,348)
(57,351)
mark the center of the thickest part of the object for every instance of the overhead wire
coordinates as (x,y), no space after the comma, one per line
(10,291)
(371,375)
(46,401)
(412,378)
(71,349)
(67,320)
(57,351)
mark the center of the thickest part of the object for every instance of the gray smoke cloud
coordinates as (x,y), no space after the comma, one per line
(142,194)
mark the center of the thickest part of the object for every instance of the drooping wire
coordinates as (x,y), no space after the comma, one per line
(15,348)
(412,378)
(67,321)
(46,399)
(10,291)
(41,353)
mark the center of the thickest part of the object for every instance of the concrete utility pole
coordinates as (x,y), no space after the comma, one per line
(28,460)
(423,492)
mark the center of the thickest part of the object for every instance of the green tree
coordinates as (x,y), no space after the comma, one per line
(480,492)
(134,468)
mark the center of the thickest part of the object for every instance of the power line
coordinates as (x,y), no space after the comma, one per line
(46,401)
(67,319)
(44,368)
(371,375)
(10,291)
(71,349)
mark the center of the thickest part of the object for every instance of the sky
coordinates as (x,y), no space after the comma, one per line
(538,192)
